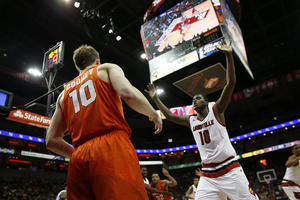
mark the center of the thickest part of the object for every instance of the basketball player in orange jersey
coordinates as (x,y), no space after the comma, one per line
(149,189)
(162,185)
(103,163)
(221,174)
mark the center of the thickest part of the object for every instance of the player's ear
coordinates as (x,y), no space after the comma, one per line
(97,62)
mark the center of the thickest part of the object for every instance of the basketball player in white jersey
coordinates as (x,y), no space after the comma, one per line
(144,171)
(191,193)
(221,174)
(291,179)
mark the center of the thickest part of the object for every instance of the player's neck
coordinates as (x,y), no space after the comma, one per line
(85,69)
(97,62)
(202,113)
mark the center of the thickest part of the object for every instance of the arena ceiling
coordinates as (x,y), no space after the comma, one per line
(271,30)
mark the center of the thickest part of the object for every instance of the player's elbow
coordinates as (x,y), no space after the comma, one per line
(127,94)
(49,142)
(288,164)
(231,82)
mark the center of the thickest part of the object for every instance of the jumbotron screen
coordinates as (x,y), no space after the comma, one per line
(177,33)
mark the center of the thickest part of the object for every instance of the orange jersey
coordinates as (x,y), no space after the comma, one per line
(91,107)
(157,196)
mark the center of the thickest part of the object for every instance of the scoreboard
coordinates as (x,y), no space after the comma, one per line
(188,33)
(53,59)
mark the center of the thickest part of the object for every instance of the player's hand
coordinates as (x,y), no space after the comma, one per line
(226,49)
(168,194)
(158,123)
(151,90)
(165,172)
(198,172)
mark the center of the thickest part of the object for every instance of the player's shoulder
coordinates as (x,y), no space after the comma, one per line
(107,65)
(192,117)
(292,157)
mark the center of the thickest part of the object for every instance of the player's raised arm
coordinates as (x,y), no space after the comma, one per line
(292,161)
(182,120)
(172,182)
(131,95)
(225,97)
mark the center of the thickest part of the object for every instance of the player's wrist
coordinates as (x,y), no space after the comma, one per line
(228,53)
(155,97)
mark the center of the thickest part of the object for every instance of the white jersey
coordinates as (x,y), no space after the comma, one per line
(58,196)
(193,194)
(146,181)
(212,139)
(293,174)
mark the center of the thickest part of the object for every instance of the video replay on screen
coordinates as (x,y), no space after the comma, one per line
(181,23)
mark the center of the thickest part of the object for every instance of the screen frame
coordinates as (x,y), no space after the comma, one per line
(8,101)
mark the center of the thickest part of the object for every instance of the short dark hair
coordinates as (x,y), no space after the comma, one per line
(84,56)
(205,97)
(156,173)
(196,177)
(293,147)
(144,167)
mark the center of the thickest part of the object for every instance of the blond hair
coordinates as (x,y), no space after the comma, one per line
(85,56)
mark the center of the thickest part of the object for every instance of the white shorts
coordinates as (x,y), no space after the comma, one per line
(291,190)
(233,185)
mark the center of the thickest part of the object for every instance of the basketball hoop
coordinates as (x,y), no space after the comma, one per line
(267,179)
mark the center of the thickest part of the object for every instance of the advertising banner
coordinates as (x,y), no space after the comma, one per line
(204,82)
(209,49)
(29,118)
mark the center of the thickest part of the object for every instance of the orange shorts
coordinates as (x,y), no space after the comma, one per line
(106,168)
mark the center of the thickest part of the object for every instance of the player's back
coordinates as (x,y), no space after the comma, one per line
(91,107)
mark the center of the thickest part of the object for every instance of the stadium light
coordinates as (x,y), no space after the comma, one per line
(159,91)
(118,38)
(110,31)
(34,72)
(76,4)
(143,56)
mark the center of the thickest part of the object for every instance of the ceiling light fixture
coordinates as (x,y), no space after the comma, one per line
(118,38)
(76,4)
(34,72)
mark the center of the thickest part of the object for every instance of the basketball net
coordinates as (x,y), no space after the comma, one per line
(267,180)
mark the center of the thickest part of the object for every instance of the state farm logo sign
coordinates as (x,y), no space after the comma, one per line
(19,114)
(29,118)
